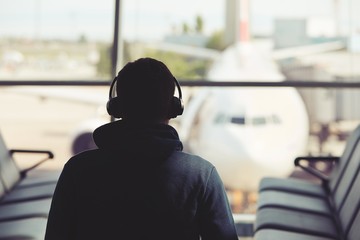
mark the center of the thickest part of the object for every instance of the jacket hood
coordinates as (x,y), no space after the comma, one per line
(151,140)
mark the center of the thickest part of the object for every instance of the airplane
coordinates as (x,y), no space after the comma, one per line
(247,133)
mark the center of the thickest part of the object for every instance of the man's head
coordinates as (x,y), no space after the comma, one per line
(145,91)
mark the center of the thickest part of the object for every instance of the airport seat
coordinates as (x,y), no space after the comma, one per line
(16,184)
(31,228)
(24,210)
(25,202)
(273,234)
(309,201)
(339,220)
(310,188)
(28,194)
(351,232)
(342,224)
(25,195)
(38,177)
(13,176)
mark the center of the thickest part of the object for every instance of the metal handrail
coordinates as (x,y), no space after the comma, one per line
(192,83)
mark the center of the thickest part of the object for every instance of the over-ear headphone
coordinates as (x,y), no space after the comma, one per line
(115,107)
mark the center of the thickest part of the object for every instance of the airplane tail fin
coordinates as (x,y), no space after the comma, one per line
(237,27)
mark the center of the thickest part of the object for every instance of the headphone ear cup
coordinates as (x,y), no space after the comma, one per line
(177,107)
(114,107)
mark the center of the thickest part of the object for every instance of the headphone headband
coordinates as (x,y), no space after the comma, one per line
(112,87)
(178,87)
(114,109)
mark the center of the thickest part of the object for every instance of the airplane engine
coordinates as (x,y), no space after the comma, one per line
(82,139)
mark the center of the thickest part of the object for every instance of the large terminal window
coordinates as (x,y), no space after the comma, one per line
(239,51)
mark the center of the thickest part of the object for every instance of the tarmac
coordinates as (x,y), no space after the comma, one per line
(31,122)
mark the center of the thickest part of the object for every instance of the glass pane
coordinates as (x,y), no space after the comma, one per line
(246,40)
(246,132)
(55,40)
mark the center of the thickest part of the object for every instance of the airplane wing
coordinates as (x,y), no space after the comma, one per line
(277,54)
(83,95)
(300,51)
(187,50)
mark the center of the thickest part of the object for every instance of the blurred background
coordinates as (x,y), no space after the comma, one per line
(263,81)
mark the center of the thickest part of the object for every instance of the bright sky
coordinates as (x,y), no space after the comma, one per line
(146,19)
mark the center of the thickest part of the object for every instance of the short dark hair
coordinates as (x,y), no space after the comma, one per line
(146,89)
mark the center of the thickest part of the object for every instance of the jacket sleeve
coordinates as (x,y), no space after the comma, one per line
(216,220)
(62,215)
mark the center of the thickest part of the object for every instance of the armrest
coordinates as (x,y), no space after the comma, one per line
(23,172)
(315,172)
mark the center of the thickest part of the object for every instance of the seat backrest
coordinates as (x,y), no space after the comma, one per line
(346,183)
(2,190)
(340,168)
(349,214)
(9,171)
(354,231)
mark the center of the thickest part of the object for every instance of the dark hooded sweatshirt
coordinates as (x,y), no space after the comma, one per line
(138,184)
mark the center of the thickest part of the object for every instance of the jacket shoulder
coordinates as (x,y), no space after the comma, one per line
(87,157)
(189,157)
(191,161)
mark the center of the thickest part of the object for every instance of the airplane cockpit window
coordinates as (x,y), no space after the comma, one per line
(263,120)
(275,119)
(223,118)
(258,121)
(238,120)
(220,118)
